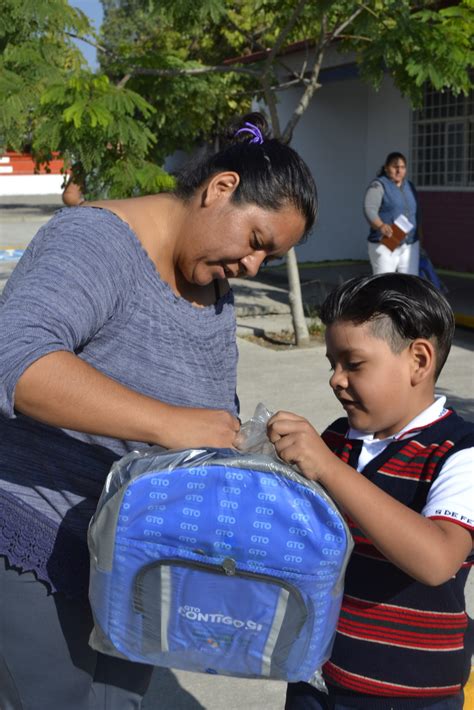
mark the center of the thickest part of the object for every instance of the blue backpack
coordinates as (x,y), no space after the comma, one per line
(214,561)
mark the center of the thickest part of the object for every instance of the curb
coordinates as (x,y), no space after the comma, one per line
(466,322)
(469,692)
(12,219)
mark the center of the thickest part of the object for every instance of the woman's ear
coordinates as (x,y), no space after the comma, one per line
(220,185)
(423,360)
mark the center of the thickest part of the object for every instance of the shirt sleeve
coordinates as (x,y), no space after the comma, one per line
(451,496)
(373,200)
(66,286)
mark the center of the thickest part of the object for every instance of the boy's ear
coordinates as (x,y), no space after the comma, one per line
(220,185)
(423,360)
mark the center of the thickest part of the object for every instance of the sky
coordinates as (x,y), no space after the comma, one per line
(93,9)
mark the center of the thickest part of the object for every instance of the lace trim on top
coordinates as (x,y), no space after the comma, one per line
(32,543)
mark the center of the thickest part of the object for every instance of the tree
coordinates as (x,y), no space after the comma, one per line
(415,42)
(51,103)
(168,82)
(160,57)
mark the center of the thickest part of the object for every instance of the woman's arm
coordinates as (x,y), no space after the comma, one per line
(62,390)
(430,551)
(372,202)
(76,277)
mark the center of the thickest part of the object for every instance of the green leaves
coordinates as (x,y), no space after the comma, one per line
(415,44)
(185,13)
(120,124)
(101,128)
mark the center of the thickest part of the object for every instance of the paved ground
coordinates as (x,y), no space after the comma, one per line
(290,379)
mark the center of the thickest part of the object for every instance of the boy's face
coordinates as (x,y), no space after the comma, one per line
(373,384)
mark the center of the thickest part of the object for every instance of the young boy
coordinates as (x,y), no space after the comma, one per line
(400,466)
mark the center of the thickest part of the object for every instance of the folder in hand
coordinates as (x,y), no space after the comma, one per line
(400,229)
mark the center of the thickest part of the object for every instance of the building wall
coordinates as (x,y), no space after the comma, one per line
(388,126)
(344,136)
(448,228)
(19,176)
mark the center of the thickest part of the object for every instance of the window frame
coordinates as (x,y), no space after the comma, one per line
(430,156)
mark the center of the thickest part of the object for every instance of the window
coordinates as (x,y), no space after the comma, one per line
(443,140)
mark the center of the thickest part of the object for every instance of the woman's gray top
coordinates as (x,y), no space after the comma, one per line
(86,285)
(372,201)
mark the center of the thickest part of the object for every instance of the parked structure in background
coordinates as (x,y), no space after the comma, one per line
(19,176)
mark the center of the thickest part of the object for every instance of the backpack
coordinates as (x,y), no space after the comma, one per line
(216,561)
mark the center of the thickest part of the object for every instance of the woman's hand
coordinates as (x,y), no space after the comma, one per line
(187,427)
(62,390)
(385,230)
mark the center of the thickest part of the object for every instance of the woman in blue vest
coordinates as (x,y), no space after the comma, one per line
(387,198)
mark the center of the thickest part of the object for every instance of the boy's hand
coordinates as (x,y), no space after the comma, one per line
(431,551)
(297,442)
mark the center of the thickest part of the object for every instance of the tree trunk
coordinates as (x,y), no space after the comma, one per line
(296,300)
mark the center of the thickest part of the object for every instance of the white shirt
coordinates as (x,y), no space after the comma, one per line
(452,494)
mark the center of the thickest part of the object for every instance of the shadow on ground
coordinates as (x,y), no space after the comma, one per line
(166,693)
(464,338)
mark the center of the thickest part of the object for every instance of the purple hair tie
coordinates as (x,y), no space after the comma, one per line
(253,130)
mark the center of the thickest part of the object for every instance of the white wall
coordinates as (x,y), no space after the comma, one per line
(388,125)
(344,136)
(331,137)
(30,185)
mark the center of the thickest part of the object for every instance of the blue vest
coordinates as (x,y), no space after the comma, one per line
(397,201)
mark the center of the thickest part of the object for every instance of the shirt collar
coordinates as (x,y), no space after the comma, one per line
(425,418)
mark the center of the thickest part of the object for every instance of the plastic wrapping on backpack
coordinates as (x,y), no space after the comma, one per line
(219,561)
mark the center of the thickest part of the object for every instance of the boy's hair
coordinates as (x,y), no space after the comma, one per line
(399,309)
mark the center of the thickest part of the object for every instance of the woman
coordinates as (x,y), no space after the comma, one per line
(388,197)
(117,331)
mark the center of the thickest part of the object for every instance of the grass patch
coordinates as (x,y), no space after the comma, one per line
(449,272)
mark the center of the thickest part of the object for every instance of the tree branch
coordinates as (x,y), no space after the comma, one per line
(325,38)
(285,31)
(120,84)
(261,47)
(97,46)
(270,100)
(336,33)
(361,37)
(372,12)
(192,71)
(250,38)
(311,87)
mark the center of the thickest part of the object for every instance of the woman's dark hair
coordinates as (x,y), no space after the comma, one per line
(399,308)
(391,158)
(272,175)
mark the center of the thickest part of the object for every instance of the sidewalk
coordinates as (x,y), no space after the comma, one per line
(269,294)
(21,217)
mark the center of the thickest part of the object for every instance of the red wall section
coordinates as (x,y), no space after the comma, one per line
(23,164)
(448,228)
